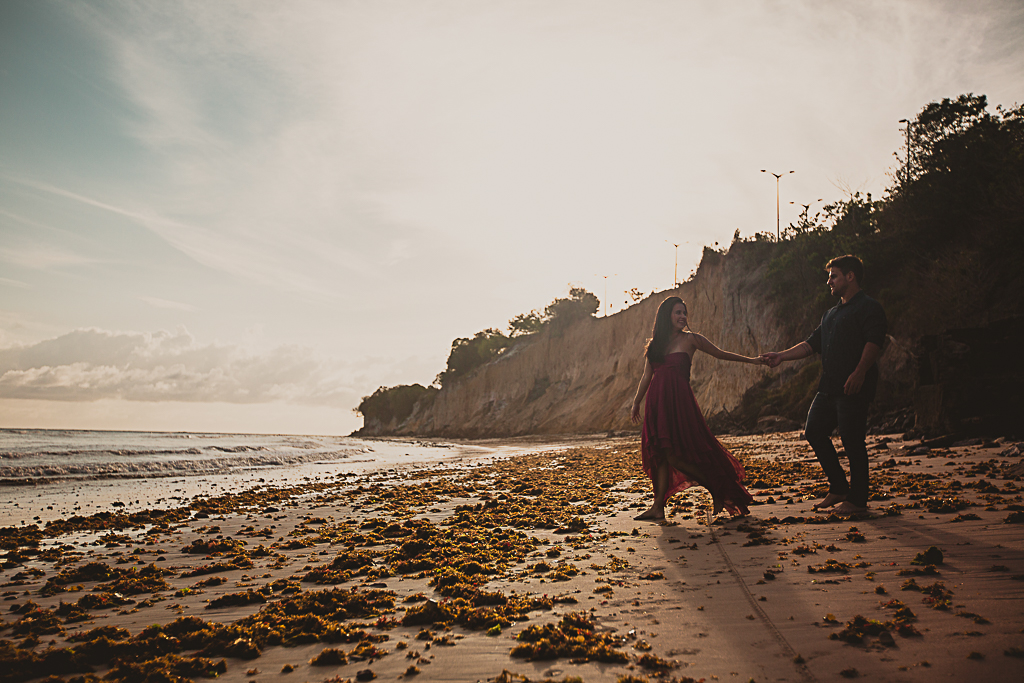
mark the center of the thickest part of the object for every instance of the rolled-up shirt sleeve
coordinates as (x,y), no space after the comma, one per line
(814,341)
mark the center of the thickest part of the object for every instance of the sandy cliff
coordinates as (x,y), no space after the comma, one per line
(584,378)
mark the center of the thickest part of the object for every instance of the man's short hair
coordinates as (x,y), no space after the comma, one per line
(846,265)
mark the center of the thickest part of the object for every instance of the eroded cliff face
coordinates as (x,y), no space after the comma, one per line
(583,379)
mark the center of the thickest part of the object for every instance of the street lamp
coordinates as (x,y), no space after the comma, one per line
(606,292)
(807,208)
(675,271)
(778,176)
(906,164)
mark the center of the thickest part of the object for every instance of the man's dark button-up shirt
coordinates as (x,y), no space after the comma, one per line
(840,339)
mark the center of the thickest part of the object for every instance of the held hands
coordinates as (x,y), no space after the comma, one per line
(771,359)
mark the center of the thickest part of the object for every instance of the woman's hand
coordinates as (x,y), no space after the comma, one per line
(635,414)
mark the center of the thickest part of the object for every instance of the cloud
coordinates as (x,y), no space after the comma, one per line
(93,364)
(42,258)
(14,283)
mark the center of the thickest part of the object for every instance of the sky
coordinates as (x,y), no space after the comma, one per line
(245,216)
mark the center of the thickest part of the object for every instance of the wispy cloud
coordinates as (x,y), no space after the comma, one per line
(42,257)
(91,364)
(14,283)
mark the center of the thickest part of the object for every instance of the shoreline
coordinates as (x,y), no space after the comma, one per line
(27,500)
(451,561)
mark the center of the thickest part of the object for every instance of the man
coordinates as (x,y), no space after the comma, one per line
(849,339)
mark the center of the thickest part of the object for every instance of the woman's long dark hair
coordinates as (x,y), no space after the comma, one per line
(662,332)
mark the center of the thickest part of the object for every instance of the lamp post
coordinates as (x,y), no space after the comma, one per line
(807,210)
(778,176)
(606,292)
(807,207)
(906,164)
(675,271)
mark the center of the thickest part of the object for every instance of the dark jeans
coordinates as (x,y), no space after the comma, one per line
(850,414)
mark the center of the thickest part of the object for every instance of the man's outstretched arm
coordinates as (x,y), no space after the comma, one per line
(801,350)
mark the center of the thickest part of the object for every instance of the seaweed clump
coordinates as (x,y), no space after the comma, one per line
(859,627)
(572,638)
(249,597)
(23,664)
(149,579)
(830,566)
(932,556)
(36,621)
(478,610)
(173,668)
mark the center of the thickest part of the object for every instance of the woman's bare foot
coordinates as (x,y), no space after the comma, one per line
(829,500)
(655,514)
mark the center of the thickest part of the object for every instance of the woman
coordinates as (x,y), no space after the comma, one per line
(678,450)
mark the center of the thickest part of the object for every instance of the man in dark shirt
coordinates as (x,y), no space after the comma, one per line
(849,339)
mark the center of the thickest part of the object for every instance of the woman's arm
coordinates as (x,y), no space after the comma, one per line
(705,345)
(641,391)
(801,350)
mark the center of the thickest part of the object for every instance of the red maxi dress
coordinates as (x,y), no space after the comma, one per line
(674,424)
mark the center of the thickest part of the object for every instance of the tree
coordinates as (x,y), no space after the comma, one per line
(578,305)
(526,323)
(389,403)
(468,354)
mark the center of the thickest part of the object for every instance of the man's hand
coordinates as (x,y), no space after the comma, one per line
(771,358)
(853,383)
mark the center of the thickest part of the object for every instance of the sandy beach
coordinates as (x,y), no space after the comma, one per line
(533,568)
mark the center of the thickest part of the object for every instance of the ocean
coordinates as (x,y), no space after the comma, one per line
(50,474)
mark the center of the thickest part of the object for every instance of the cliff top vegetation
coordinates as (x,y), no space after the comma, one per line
(940,248)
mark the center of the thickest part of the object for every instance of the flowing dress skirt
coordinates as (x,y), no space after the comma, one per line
(675,428)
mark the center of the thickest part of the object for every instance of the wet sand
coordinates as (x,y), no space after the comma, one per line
(532,567)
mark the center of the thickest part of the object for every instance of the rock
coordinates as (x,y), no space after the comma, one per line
(770,424)
(938,442)
(1015,471)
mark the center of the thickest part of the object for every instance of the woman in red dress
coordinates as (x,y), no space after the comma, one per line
(678,449)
